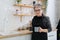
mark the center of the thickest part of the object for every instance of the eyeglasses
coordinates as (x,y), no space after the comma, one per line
(37,10)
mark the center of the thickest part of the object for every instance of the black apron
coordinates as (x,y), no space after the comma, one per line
(39,22)
(58,31)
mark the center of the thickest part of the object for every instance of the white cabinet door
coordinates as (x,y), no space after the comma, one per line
(52,35)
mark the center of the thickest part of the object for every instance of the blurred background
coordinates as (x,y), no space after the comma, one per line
(16,14)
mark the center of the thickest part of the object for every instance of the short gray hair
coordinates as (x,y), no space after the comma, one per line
(39,5)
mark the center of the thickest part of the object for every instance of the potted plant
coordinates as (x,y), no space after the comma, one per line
(18,1)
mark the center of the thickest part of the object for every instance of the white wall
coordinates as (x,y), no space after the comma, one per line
(58,8)
(51,12)
(9,22)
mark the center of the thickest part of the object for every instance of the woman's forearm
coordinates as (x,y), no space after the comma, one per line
(45,30)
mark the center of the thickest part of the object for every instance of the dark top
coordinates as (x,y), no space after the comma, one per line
(58,31)
(42,22)
(58,26)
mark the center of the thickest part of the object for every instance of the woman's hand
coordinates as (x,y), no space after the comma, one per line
(43,30)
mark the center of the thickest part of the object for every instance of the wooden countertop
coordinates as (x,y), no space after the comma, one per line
(25,32)
(22,33)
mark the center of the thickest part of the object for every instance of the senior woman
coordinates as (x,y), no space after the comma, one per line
(40,24)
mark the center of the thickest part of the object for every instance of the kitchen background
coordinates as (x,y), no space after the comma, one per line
(9,22)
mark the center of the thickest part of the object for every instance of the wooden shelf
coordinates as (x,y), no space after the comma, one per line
(22,33)
(28,6)
(23,15)
(23,5)
(41,0)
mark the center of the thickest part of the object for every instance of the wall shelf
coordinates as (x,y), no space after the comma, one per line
(27,6)
(23,5)
(21,15)
(41,0)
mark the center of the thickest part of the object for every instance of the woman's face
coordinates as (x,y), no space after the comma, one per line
(37,11)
